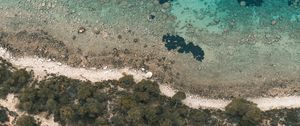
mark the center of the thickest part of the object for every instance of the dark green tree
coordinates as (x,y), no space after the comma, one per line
(3,115)
(67,113)
(12,82)
(179,96)
(198,117)
(101,121)
(118,120)
(143,97)
(126,81)
(85,91)
(26,121)
(135,116)
(245,112)
(126,103)
(148,86)
(28,100)
(293,117)
(151,115)
(51,105)
(165,122)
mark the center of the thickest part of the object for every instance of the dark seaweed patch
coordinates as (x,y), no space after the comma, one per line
(164,1)
(173,42)
(293,2)
(252,2)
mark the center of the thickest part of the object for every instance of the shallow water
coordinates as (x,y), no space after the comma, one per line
(247,50)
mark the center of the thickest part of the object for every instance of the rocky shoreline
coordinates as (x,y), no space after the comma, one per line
(40,44)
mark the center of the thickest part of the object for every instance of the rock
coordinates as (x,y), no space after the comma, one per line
(243,3)
(149,74)
(81,30)
(151,17)
(96,31)
(274,22)
(105,67)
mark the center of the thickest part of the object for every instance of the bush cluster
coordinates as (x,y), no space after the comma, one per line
(25,120)
(11,79)
(244,112)
(3,115)
(70,101)
(122,102)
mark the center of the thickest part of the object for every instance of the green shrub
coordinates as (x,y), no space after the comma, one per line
(3,115)
(292,117)
(179,96)
(17,81)
(26,121)
(67,113)
(5,70)
(135,115)
(127,81)
(245,112)
(12,80)
(199,117)
(148,86)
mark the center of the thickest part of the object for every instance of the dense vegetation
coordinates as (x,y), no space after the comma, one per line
(11,79)
(71,101)
(121,102)
(109,103)
(287,117)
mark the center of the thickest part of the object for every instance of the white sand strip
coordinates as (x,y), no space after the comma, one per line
(277,102)
(264,104)
(42,66)
(194,101)
(39,66)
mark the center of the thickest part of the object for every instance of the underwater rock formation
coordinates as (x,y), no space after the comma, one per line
(173,42)
(251,2)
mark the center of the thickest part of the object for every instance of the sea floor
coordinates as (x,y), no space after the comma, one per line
(248,51)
